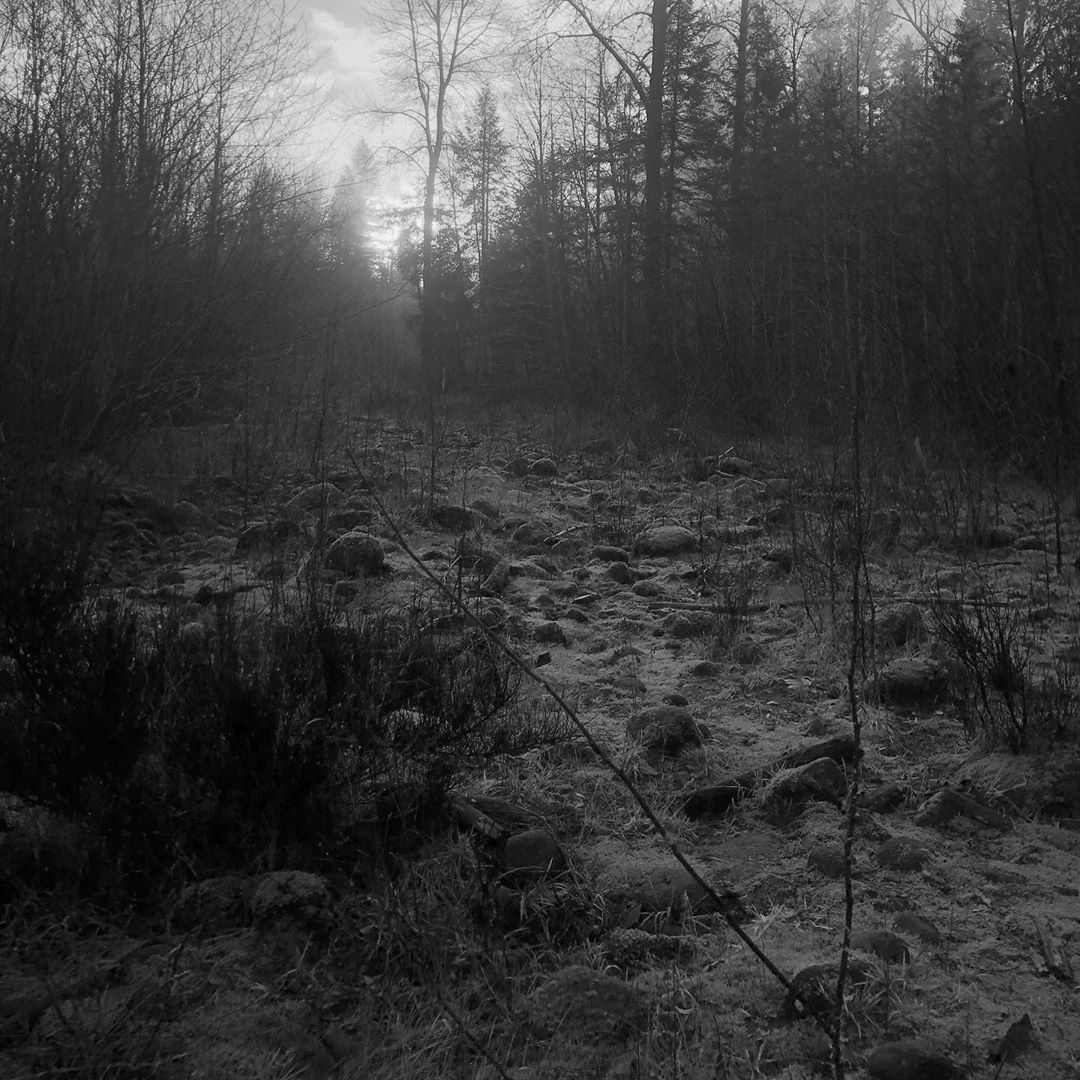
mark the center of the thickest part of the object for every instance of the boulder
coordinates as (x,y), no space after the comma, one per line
(215,904)
(544,467)
(664,729)
(913,682)
(822,780)
(889,947)
(531,855)
(317,498)
(909,1059)
(902,853)
(292,896)
(355,554)
(666,540)
(456,518)
(579,1002)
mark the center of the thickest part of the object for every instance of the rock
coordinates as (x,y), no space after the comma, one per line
(531,855)
(544,467)
(456,518)
(685,625)
(902,853)
(254,536)
(497,579)
(668,888)
(822,780)
(912,923)
(947,804)
(318,498)
(534,533)
(579,1002)
(294,896)
(215,904)
(356,553)
(486,507)
(620,573)
(910,682)
(705,669)
(665,540)
(598,446)
(899,625)
(734,466)
(1017,1041)
(885,526)
(827,859)
(813,989)
(664,729)
(550,633)
(884,798)
(738,535)
(889,947)
(909,1059)
(610,553)
(351,517)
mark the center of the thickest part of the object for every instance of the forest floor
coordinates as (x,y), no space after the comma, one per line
(716,586)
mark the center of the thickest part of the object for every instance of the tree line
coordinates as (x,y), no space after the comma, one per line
(738,204)
(638,205)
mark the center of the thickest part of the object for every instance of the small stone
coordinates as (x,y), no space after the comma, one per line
(352,517)
(214,904)
(902,853)
(544,467)
(254,536)
(1029,542)
(705,669)
(610,553)
(912,923)
(664,729)
(292,895)
(909,1059)
(899,625)
(314,499)
(947,804)
(668,889)
(579,1002)
(821,780)
(884,798)
(666,540)
(827,860)
(550,633)
(734,466)
(910,682)
(356,553)
(813,989)
(530,855)
(456,518)
(889,947)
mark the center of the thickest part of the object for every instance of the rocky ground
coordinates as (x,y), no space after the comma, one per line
(693,608)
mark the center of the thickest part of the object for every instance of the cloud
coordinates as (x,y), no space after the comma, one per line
(349,51)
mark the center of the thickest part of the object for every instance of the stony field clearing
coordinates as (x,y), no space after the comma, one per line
(694,608)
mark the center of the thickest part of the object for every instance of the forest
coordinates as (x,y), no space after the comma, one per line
(539,541)
(639,207)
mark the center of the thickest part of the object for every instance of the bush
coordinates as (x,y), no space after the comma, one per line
(265,742)
(1003,702)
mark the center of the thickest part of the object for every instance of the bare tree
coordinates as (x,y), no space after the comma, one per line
(431,45)
(646,76)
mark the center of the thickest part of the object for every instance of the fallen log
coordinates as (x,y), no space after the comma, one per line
(719,797)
